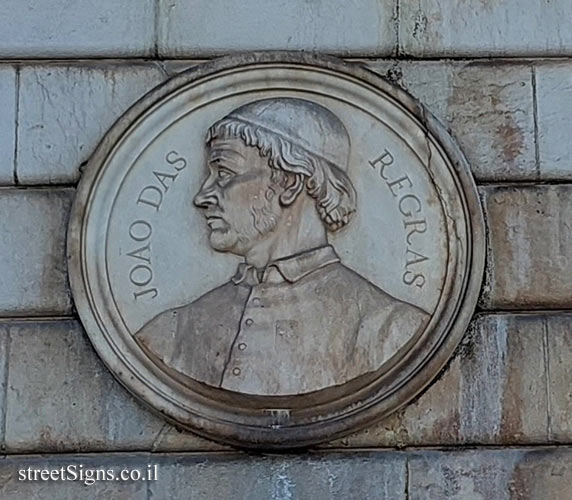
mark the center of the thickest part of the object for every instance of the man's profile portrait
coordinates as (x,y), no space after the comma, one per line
(293,318)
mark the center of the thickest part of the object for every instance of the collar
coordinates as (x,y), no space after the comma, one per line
(291,269)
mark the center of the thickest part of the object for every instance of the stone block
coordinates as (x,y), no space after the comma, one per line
(32,252)
(488,108)
(7,124)
(15,471)
(525,474)
(432,28)
(554,98)
(208,27)
(559,349)
(462,475)
(502,388)
(379,476)
(530,247)
(4,346)
(58,28)
(61,397)
(492,392)
(542,474)
(65,110)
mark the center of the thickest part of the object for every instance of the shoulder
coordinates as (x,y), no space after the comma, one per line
(405,315)
(161,333)
(387,323)
(369,295)
(384,323)
(376,306)
(212,300)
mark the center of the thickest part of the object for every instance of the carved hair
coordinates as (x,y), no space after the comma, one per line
(331,188)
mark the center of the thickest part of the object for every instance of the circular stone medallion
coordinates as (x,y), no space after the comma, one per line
(274,250)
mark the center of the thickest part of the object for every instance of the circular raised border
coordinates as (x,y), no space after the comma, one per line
(210,418)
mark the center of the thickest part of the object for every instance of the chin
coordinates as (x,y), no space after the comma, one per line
(222,241)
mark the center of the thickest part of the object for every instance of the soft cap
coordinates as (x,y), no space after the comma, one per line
(306,124)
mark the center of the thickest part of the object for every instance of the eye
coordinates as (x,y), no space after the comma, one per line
(223,174)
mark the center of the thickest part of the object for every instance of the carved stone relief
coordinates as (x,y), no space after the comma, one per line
(273,250)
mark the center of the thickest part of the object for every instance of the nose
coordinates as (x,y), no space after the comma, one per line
(206,196)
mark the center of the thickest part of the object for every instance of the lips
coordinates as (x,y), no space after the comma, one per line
(215,221)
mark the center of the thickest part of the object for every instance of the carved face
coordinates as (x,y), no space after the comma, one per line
(239,198)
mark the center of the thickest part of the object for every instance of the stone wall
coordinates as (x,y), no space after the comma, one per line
(497,424)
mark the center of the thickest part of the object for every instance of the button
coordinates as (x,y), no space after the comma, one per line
(236,371)
(256,301)
(249,322)
(241,346)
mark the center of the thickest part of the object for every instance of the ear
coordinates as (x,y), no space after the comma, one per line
(292,190)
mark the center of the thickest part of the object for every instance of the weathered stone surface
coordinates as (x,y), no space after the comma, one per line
(326,310)
(14,483)
(493,392)
(60,397)
(468,475)
(485,27)
(542,474)
(380,476)
(498,475)
(530,247)
(7,123)
(4,347)
(554,97)
(58,28)
(524,474)
(65,111)
(488,107)
(491,475)
(207,27)
(559,349)
(32,252)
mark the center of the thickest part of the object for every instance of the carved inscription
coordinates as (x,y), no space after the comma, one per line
(411,208)
(272,192)
(262,253)
(141,230)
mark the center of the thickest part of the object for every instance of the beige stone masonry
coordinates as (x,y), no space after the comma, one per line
(493,474)
(82,28)
(8,89)
(493,392)
(554,96)
(487,106)
(60,397)
(529,263)
(65,110)
(524,474)
(33,225)
(434,28)
(209,27)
